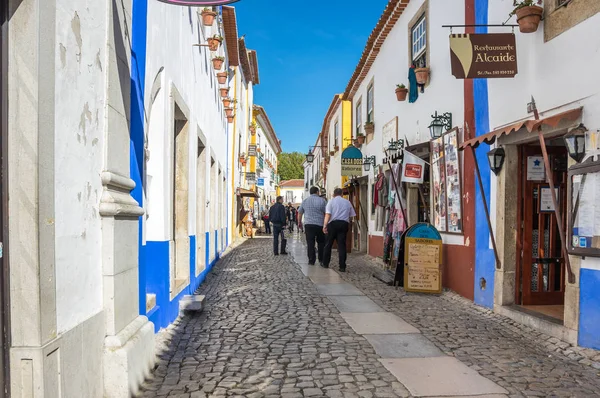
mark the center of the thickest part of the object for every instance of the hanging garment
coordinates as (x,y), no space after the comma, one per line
(383,192)
(413,92)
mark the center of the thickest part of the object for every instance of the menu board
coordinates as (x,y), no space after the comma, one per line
(423,259)
(446,183)
(585,231)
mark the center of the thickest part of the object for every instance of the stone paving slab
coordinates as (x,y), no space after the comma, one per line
(403,346)
(326,279)
(440,376)
(341,289)
(378,323)
(355,304)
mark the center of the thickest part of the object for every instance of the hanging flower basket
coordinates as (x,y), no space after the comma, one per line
(230,119)
(529,18)
(229,112)
(401,92)
(226,102)
(208,16)
(224,92)
(222,77)
(422,75)
(218,62)
(369,128)
(214,42)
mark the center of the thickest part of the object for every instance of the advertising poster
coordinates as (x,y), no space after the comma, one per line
(453,181)
(438,184)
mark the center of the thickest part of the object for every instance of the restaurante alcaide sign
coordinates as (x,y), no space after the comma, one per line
(479,56)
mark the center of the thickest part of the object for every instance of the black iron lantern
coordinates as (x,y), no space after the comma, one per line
(496,159)
(440,124)
(575,142)
(310,157)
(368,162)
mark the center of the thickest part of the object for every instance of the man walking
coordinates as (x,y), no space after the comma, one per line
(313,209)
(338,213)
(278,218)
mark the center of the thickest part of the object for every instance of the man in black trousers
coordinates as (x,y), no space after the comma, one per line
(278,218)
(338,214)
(313,209)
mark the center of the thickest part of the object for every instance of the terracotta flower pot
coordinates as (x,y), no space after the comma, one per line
(217,63)
(222,77)
(252,130)
(226,102)
(224,92)
(401,94)
(369,128)
(208,17)
(422,75)
(529,18)
(331,153)
(230,119)
(213,44)
(229,112)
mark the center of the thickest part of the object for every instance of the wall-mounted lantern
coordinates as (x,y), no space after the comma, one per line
(575,142)
(440,124)
(368,162)
(496,159)
(310,157)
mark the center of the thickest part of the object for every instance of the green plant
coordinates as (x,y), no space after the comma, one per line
(219,58)
(518,4)
(217,37)
(207,9)
(368,123)
(400,86)
(360,134)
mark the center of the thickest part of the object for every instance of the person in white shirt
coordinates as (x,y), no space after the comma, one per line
(338,214)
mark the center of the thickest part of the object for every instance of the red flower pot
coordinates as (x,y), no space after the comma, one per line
(217,63)
(226,102)
(224,92)
(208,17)
(401,94)
(230,119)
(213,44)
(529,18)
(229,112)
(222,77)
(422,75)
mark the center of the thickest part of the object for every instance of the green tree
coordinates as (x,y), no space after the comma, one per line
(290,165)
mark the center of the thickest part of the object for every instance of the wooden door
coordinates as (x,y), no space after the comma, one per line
(542,262)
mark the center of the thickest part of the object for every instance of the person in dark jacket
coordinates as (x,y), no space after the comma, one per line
(277,217)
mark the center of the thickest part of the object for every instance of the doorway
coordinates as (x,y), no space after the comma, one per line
(541,269)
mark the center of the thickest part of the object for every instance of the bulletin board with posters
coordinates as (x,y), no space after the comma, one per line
(446,183)
(583,209)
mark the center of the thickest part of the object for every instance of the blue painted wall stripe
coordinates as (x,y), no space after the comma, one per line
(484,256)
(589,309)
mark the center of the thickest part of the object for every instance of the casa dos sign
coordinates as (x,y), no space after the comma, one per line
(199,3)
(483,56)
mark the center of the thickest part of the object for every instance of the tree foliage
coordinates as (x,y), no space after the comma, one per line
(290,165)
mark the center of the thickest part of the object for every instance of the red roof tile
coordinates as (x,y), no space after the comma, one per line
(292,184)
(231,35)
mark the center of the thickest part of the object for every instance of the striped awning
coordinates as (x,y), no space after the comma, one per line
(530,125)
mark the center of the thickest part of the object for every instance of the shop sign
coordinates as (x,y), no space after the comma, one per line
(199,3)
(250,176)
(479,56)
(260,182)
(413,168)
(352,162)
(423,259)
(251,150)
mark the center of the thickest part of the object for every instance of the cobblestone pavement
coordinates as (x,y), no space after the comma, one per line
(267,332)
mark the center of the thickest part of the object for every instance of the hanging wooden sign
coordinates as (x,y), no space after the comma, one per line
(480,56)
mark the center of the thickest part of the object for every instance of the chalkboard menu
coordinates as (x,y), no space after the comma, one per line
(423,259)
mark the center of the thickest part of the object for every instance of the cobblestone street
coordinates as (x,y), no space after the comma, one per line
(269,330)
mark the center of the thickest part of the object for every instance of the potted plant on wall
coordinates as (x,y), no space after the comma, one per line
(218,62)
(252,128)
(208,16)
(227,102)
(224,92)
(230,118)
(401,92)
(422,75)
(222,77)
(229,112)
(214,42)
(529,14)
(369,128)
(360,139)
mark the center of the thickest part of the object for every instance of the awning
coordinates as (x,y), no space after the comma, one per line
(246,193)
(530,125)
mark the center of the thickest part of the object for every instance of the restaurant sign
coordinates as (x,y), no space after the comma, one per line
(199,3)
(481,56)
(352,162)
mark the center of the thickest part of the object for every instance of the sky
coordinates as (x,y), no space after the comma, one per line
(307,52)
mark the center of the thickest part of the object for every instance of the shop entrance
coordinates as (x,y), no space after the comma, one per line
(541,271)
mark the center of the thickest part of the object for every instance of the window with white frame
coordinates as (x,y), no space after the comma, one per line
(370,103)
(336,134)
(419,43)
(289,196)
(358,116)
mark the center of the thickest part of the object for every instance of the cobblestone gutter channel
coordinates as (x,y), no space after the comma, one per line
(267,331)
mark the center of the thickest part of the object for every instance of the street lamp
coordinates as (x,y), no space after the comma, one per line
(575,142)
(368,162)
(310,157)
(440,124)
(496,159)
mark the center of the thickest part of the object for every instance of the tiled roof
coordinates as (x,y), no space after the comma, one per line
(292,184)
(335,102)
(270,130)
(384,26)
(254,65)
(245,60)
(231,35)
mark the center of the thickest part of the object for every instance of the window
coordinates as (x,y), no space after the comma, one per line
(358,116)
(419,43)
(336,136)
(289,196)
(370,103)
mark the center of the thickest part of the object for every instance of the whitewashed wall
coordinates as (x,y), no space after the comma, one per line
(334,170)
